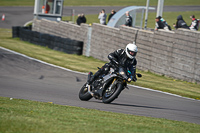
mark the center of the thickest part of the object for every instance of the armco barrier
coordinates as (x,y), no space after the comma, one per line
(51,41)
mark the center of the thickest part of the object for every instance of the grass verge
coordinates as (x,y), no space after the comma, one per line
(102,2)
(86,64)
(34,117)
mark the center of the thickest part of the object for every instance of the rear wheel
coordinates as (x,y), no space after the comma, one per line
(84,95)
(110,95)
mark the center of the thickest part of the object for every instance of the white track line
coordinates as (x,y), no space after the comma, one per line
(86,74)
(28,57)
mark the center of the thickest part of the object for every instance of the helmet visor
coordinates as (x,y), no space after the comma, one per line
(132,53)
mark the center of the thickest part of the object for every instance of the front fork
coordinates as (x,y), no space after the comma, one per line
(114,82)
(112,85)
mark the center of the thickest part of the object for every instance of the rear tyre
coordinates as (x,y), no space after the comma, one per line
(111,95)
(84,95)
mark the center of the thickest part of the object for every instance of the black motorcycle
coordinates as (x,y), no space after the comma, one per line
(106,87)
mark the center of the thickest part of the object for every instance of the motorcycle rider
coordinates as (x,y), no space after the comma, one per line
(121,57)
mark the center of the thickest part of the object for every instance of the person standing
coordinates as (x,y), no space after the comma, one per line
(180,23)
(194,25)
(46,8)
(128,20)
(81,19)
(110,16)
(102,17)
(78,21)
(167,27)
(159,24)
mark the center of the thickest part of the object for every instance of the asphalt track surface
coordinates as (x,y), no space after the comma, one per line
(26,78)
(18,16)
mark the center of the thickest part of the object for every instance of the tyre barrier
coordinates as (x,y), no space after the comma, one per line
(66,45)
(15,31)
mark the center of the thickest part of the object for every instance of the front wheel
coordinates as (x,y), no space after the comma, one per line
(84,95)
(110,95)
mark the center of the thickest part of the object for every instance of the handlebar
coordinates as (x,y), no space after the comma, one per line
(122,72)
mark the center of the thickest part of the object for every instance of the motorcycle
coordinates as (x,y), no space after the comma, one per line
(106,87)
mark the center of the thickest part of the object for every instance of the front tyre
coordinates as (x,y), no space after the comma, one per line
(84,95)
(110,95)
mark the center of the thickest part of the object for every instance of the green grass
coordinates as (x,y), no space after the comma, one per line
(22,116)
(170,17)
(27,116)
(86,64)
(102,2)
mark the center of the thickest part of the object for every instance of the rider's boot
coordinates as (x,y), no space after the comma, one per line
(102,70)
(94,76)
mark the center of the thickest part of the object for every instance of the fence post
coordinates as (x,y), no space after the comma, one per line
(141,23)
(87,53)
(146,15)
(73,15)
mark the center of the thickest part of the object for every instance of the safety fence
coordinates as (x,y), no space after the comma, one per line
(51,41)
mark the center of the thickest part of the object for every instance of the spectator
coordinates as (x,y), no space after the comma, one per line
(159,24)
(78,21)
(102,17)
(110,16)
(180,23)
(167,27)
(129,20)
(81,19)
(195,24)
(45,9)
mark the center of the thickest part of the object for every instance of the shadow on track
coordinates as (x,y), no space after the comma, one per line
(134,106)
(141,106)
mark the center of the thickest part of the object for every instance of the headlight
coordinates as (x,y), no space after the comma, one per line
(122,73)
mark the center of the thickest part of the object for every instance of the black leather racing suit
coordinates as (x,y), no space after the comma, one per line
(119,58)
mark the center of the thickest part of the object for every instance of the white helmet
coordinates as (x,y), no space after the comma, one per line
(131,50)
